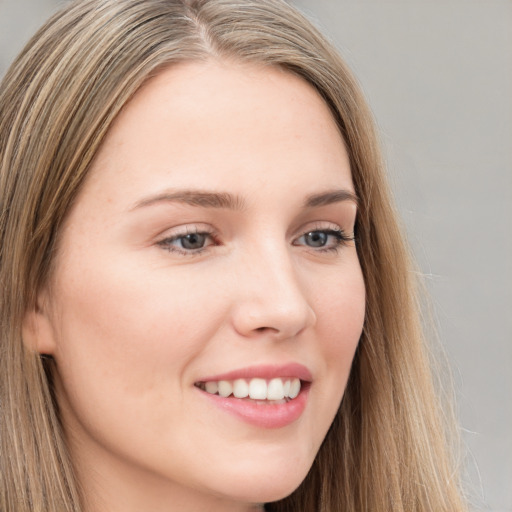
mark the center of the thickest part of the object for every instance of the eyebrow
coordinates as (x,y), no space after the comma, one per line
(229,201)
(196,198)
(330,197)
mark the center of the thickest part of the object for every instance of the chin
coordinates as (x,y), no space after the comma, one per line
(266,487)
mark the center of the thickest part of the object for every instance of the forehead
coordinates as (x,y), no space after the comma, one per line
(205,123)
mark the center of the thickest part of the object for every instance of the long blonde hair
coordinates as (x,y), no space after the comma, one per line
(387,448)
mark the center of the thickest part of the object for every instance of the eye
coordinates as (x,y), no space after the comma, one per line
(316,238)
(187,243)
(323,239)
(192,241)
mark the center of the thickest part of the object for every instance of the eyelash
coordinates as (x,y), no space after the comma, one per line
(341,239)
(166,243)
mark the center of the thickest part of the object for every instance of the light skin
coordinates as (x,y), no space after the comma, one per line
(248,160)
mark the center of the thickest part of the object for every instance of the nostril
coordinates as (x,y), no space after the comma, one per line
(271,331)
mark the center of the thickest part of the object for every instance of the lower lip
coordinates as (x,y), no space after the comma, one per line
(261,414)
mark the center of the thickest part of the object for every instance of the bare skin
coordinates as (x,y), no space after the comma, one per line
(214,233)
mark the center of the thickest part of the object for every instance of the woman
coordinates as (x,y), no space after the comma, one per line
(206,301)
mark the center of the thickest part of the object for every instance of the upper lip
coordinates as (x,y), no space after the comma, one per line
(290,370)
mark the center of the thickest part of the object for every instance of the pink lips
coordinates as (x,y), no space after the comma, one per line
(259,413)
(265,372)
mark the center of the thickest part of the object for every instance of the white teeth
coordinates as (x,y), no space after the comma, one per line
(212,387)
(277,389)
(225,388)
(240,388)
(258,389)
(294,388)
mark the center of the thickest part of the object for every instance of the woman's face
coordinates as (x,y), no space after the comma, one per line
(209,252)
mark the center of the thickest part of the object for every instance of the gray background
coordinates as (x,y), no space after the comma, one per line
(438,75)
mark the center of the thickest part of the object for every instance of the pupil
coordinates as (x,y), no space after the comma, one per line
(316,239)
(193,241)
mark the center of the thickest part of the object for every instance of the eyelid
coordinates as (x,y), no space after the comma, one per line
(174,234)
(324,226)
(167,239)
(341,238)
(185,229)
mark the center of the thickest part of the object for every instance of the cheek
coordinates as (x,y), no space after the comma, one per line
(340,316)
(123,332)
(341,301)
(127,341)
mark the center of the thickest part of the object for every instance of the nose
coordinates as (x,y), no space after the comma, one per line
(270,299)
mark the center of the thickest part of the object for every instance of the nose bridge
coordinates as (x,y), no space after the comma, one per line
(271,297)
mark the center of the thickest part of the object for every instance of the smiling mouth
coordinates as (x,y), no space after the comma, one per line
(276,390)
